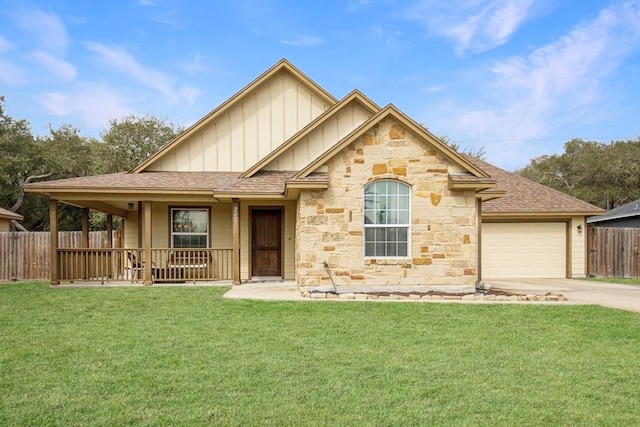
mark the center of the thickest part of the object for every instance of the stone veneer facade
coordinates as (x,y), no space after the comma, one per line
(329,224)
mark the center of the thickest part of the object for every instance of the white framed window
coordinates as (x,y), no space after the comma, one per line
(189,228)
(387,219)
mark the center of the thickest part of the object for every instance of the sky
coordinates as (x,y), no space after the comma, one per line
(517,78)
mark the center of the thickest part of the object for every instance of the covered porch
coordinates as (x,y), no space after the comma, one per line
(181,227)
(142,263)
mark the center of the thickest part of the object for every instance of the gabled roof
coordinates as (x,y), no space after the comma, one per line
(503,193)
(354,96)
(527,198)
(393,112)
(629,210)
(7,214)
(282,66)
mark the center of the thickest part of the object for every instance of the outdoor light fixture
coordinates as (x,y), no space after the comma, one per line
(130,205)
(579,228)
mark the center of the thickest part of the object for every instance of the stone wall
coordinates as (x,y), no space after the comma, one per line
(329,225)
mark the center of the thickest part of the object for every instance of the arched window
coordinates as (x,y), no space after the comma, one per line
(387,219)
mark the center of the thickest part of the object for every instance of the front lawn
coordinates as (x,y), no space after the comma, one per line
(186,356)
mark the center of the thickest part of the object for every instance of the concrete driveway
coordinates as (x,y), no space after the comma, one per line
(625,297)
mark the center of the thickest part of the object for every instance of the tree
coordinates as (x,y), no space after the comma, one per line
(132,139)
(20,161)
(606,175)
(478,153)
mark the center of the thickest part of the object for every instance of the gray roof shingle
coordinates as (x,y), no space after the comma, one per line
(625,211)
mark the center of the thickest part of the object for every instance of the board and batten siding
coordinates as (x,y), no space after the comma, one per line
(260,122)
(321,138)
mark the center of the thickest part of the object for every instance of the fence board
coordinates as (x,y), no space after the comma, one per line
(614,252)
(26,255)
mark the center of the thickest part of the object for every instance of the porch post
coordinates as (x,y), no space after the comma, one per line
(109,231)
(146,237)
(84,242)
(110,246)
(53,230)
(479,243)
(236,241)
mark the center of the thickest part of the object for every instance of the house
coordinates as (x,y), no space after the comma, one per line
(284,181)
(6,216)
(622,216)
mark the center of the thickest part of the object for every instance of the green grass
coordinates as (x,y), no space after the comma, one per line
(621,280)
(186,356)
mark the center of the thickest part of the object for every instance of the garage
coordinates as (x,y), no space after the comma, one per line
(524,250)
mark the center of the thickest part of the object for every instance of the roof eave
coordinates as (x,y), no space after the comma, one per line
(12,216)
(601,218)
(535,214)
(477,184)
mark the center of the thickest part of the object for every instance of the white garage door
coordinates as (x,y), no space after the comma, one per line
(524,250)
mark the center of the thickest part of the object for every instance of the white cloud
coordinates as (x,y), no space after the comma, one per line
(58,67)
(46,28)
(530,97)
(94,103)
(304,41)
(571,70)
(473,25)
(189,94)
(194,65)
(120,61)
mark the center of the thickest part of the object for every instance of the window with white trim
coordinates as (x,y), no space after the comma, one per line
(387,219)
(189,228)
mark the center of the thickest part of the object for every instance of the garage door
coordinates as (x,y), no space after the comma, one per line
(524,250)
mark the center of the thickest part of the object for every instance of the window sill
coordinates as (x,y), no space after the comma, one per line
(387,261)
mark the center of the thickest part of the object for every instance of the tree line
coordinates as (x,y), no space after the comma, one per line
(605,175)
(65,153)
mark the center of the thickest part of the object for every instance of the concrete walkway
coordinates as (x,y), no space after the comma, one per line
(274,291)
(625,297)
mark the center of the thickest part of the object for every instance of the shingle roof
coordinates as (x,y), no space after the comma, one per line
(267,182)
(525,196)
(625,211)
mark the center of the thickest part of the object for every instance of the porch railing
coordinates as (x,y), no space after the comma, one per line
(168,265)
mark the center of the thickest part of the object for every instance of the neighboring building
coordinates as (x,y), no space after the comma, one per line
(623,216)
(6,216)
(293,184)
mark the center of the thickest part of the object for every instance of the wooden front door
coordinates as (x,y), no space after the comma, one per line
(266,242)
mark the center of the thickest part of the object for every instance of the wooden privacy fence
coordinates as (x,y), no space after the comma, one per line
(614,252)
(26,255)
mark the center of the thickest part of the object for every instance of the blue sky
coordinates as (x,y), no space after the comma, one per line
(517,77)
